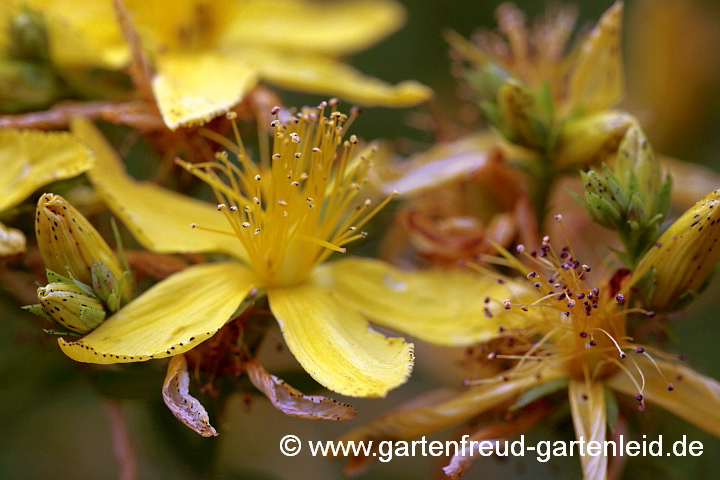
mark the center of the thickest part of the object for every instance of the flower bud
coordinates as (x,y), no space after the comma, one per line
(106,285)
(28,37)
(71,307)
(68,242)
(520,119)
(591,139)
(678,267)
(641,174)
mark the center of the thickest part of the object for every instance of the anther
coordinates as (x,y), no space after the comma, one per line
(221,206)
(520,248)
(233,208)
(639,350)
(620,298)
(193,225)
(507,304)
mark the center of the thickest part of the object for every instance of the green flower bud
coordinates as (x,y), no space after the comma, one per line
(27,85)
(633,197)
(68,242)
(106,286)
(28,36)
(516,112)
(71,307)
(678,267)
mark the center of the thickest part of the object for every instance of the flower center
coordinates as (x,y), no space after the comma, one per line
(566,321)
(294,212)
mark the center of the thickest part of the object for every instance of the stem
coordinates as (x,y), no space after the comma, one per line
(544,181)
(122,442)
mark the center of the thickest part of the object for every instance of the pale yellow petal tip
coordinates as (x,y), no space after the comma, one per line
(80,352)
(410,93)
(12,241)
(30,159)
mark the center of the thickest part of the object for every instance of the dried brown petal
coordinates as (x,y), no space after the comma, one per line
(293,402)
(178,399)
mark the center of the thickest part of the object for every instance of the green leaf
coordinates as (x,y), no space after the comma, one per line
(540,391)
(612,409)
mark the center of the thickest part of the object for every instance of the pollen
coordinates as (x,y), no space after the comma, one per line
(298,205)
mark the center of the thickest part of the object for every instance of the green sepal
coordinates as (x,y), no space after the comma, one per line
(645,287)
(688,297)
(56,277)
(53,331)
(37,310)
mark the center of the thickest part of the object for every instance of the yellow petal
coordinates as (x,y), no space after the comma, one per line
(587,404)
(83,33)
(160,219)
(12,241)
(691,181)
(325,27)
(184,406)
(408,423)
(30,159)
(441,164)
(171,318)
(194,88)
(694,397)
(325,76)
(440,306)
(597,80)
(293,402)
(335,344)
(189,24)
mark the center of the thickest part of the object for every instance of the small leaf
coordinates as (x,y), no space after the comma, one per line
(612,409)
(540,391)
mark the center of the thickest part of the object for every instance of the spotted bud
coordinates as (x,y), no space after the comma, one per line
(677,268)
(70,306)
(106,285)
(68,242)
(631,198)
(520,115)
(642,176)
(591,139)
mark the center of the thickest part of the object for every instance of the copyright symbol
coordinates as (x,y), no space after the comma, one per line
(290,445)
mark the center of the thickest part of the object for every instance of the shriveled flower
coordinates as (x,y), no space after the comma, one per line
(562,331)
(30,159)
(460,197)
(281,222)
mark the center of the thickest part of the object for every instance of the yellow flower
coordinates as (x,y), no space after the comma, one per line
(562,331)
(280,222)
(208,54)
(29,160)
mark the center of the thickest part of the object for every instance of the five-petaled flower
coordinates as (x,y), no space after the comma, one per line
(280,223)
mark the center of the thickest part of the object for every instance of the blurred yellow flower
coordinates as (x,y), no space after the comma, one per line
(280,223)
(30,159)
(562,331)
